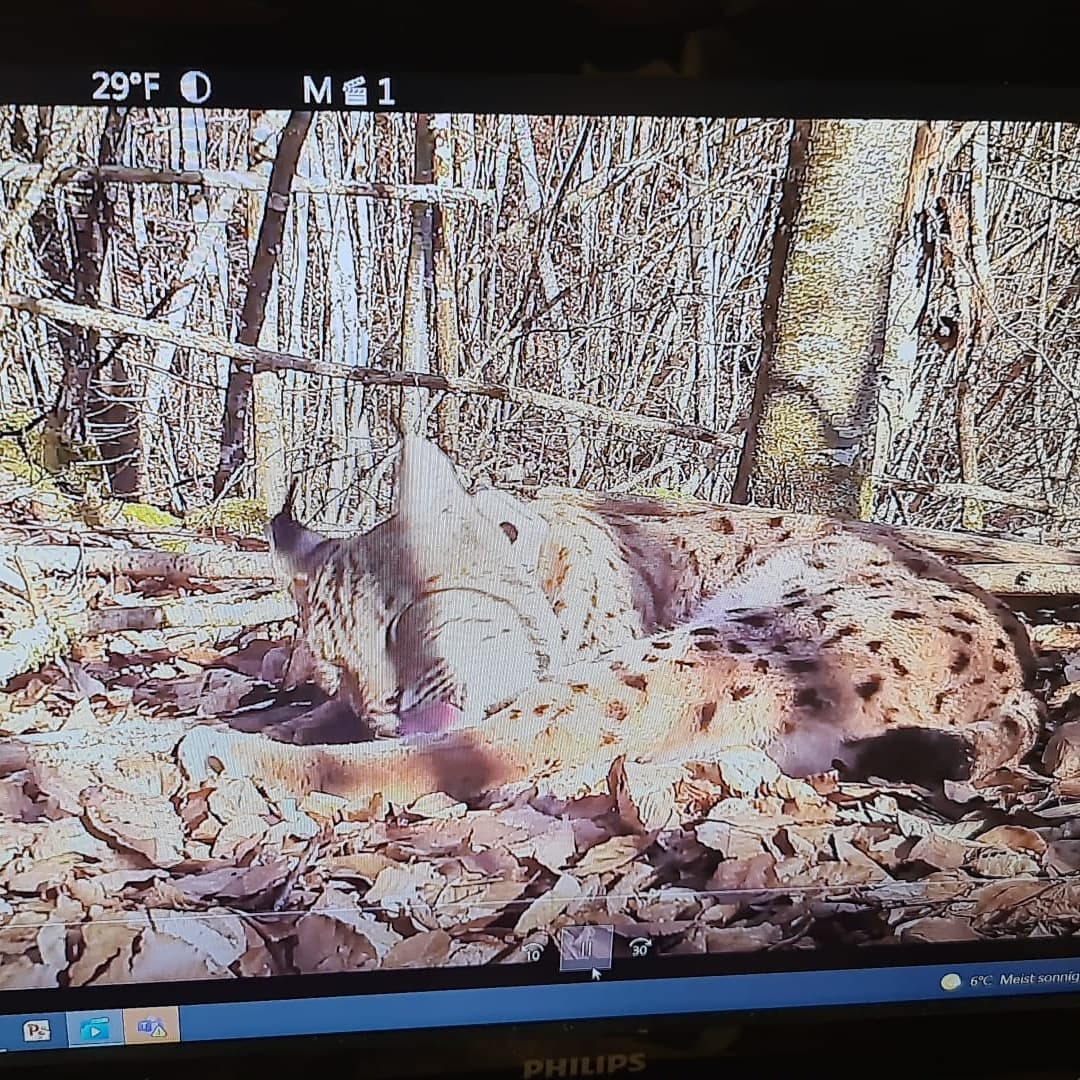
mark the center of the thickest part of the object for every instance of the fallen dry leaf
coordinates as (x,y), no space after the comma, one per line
(365,866)
(1062,754)
(234,884)
(644,794)
(323,807)
(1063,856)
(428,949)
(1015,838)
(437,805)
(41,874)
(235,797)
(546,909)
(141,824)
(105,951)
(552,846)
(745,771)
(730,841)
(400,886)
(937,929)
(610,855)
(741,938)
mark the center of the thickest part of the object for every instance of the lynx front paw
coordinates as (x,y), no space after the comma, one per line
(332,722)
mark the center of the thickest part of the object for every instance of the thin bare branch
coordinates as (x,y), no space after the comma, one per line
(268,360)
(970,491)
(248,181)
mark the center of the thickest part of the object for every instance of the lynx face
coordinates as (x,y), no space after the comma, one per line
(434,615)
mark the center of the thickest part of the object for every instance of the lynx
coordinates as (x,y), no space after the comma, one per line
(570,628)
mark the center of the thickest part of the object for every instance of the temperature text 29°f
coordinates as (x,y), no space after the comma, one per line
(125,85)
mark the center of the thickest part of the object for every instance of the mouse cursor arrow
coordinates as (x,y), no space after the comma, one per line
(595,974)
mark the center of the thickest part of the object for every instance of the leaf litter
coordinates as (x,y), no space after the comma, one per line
(115,865)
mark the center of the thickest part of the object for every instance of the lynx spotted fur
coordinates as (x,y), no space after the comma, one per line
(572,628)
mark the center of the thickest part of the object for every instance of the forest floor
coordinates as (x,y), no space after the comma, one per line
(120,864)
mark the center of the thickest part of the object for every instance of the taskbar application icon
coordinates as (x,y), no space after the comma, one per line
(37,1030)
(104,1027)
(33,1031)
(157,1025)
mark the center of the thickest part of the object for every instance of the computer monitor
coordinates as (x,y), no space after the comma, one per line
(498,551)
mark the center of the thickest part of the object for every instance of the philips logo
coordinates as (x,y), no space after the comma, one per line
(600,1065)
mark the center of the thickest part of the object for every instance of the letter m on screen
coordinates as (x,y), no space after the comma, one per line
(317,93)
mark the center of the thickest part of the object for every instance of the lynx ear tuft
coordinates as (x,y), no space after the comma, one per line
(290,540)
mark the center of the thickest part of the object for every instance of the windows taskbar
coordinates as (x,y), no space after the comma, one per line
(582,996)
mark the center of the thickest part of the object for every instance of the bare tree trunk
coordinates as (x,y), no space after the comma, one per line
(112,392)
(239,392)
(980,303)
(549,279)
(363,407)
(415,308)
(791,193)
(331,245)
(210,215)
(444,252)
(267,398)
(809,444)
(909,291)
(77,271)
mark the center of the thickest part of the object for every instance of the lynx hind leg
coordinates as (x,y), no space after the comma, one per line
(928,756)
(1007,735)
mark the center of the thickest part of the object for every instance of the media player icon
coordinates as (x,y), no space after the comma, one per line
(94,1030)
(104,1028)
(586,948)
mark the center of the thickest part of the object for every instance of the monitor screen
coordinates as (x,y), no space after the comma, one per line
(485,553)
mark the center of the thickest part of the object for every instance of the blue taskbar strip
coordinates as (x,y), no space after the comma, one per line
(579,1000)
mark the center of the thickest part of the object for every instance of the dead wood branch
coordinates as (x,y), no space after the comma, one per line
(1014,577)
(268,360)
(970,491)
(1019,579)
(210,566)
(192,612)
(961,547)
(250,181)
(1058,636)
(50,636)
(967,548)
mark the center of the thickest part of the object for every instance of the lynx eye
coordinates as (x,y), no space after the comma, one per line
(510,529)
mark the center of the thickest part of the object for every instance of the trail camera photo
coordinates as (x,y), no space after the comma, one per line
(420,534)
